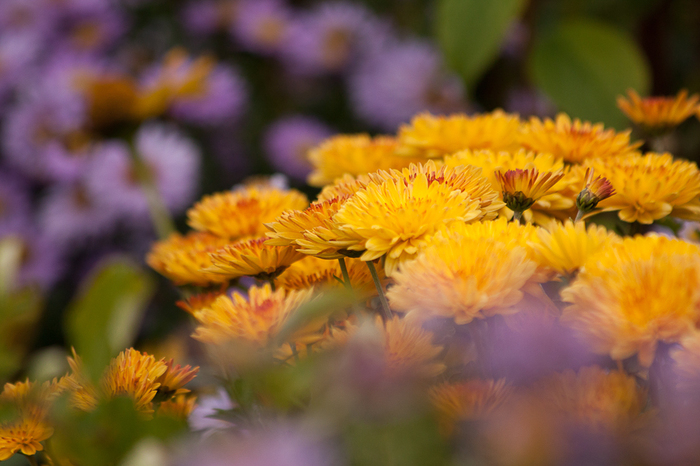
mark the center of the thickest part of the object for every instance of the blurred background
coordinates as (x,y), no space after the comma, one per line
(116,115)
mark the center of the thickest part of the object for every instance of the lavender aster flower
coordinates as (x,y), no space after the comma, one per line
(208,406)
(41,261)
(17,52)
(288,140)
(70,214)
(34,17)
(261,25)
(15,206)
(402,80)
(172,160)
(332,36)
(224,98)
(206,17)
(90,29)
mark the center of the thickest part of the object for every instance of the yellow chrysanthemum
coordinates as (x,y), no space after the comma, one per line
(635,293)
(255,320)
(522,188)
(471,399)
(136,375)
(24,436)
(659,113)
(343,188)
(554,203)
(566,247)
(574,142)
(353,155)
(199,301)
(593,396)
(434,136)
(650,187)
(312,230)
(253,258)
(241,213)
(407,347)
(462,279)
(312,272)
(186,259)
(180,407)
(174,379)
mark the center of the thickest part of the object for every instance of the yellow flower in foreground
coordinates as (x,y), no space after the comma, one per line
(650,187)
(566,247)
(462,279)
(471,399)
(186,259)
(253,258)
(636,293)
(522,188)
(255,320)
(353,155)
(435,136)
(395,218)
(136,375)
(23,436)
(407,347)
(575,142)
(593,396)
(659,113)
(241,213)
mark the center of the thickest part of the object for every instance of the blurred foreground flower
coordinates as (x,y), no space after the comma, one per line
(659,114)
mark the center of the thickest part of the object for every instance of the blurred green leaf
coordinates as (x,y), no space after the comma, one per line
(105,316)
(470,32)
(19,313)
(583,65)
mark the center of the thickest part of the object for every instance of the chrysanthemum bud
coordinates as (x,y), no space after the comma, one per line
(594,191)
(522,188)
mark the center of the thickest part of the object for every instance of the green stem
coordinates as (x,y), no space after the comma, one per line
(32,460)
(378,284)
(272,284)
(160,216)
(579,215)
(517,215)
(346,275)
(293,346)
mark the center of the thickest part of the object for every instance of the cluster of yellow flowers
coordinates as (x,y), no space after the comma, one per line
(147,381)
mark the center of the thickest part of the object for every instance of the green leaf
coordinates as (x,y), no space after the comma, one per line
(470,32)
(583,65)
(104,318)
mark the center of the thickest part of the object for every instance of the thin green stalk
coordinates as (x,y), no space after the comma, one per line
(346,275)
(272,284)
(517,215)
(378,284)
(32,460)
(579,216)
(160,215)
(293,346)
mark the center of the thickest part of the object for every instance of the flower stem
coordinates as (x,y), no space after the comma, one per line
(579,215)
(272,284)
(346,275)
(32,460)
(378,285)
(160,216)
(293,346)
(517,215)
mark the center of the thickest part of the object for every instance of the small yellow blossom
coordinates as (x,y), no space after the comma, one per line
(23,436)
(575,141)
(522,188)
(253,258)
(136,375)
(659,113)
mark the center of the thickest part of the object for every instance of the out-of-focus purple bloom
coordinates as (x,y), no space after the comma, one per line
(41,261)
(288,445)
(209,16)
(171,159)
(529,102)
(333,36)
(231,154)
(15,205)
(402,80)
(516,40)
(261,26)
(69,215)
(208,406)
(17,52)
(224,98)
(34,17)
(288,140)
(90,29)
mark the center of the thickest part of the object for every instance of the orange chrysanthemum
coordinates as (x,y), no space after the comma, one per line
(136,375)
(462,279)
(253,258)
(649,187)
(522,188)
(434,136)
(575,142)
(659,113)
(242,213)
(620,301)
(180,407)
(256,320)
(471,399)
(174,379)
(199,301)
(24,436)
(593,396)
(354,155)
(312,272)
(186,259)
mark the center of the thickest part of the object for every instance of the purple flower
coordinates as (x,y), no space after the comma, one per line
(208,406)
(69,214)
(90,29)
(224,99)
(332,36)
(209,16)
(261,26)
(41,262)
(171,159)
(529,102)
(402,80)
(35,17)
(17,52)
(288,140)
(15,204)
